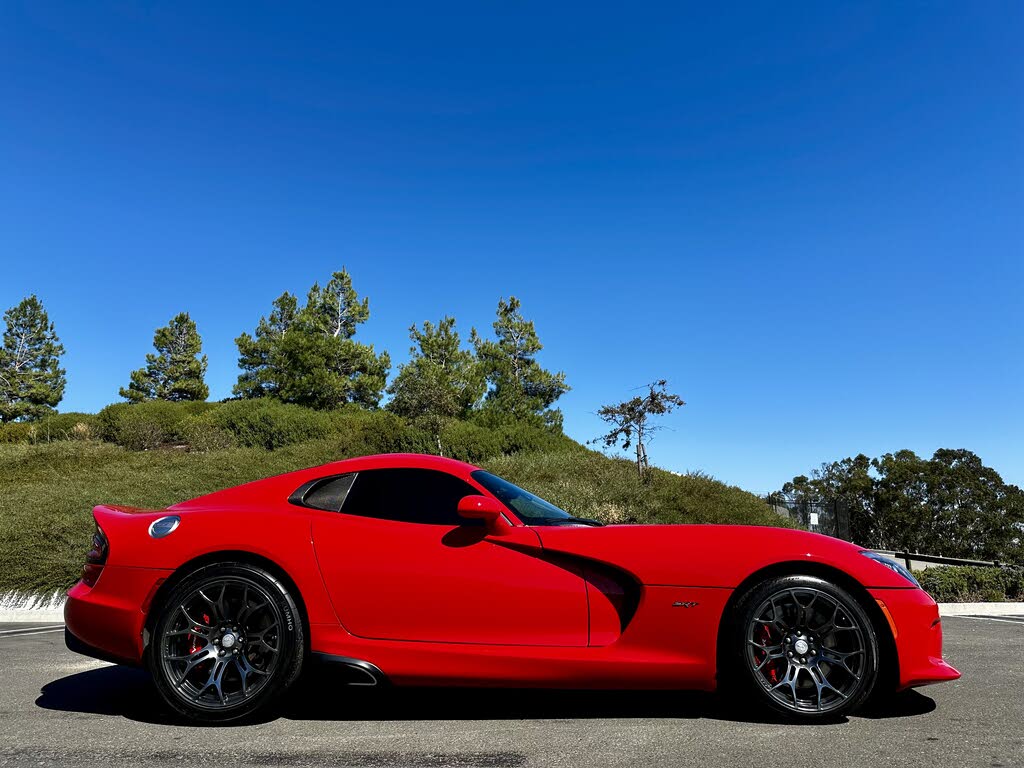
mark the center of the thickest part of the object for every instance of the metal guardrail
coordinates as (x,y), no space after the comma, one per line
(832,518)
(907,557)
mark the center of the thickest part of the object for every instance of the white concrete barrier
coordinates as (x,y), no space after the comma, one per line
(981,609)
(26,607)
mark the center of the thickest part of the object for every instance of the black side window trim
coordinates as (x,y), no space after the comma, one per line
(298,496)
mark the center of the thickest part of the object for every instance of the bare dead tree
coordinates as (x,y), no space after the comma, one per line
(630,421)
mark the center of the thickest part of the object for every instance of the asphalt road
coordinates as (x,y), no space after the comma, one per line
(60,709)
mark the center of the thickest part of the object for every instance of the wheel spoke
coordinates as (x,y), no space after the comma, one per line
(248,666)
(245,611)
(214,680)
(789,680)
(808,612)
(259,638)
(829,624)
(190,631)
(778,618)
(187,656)
(213,606)
(193,622)
(821,683)
(194,661)
(770,655)
(830,656)
(243,675)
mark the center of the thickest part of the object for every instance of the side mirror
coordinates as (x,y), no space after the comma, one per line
(484,508)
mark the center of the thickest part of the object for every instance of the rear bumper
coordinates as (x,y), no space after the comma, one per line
(106,620)
(918,633)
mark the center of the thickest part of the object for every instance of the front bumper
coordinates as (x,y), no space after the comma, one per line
(106,620)
(914,617)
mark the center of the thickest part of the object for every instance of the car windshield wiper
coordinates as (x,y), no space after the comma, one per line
(570,520)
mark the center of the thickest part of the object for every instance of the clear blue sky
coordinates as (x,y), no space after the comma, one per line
(808,217)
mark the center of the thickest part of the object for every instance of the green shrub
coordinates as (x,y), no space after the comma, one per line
(56,426)
(144,426)
(971,583)
(476,441)
(528,438)
(68,426)
(201,434)
(361,432)
(466,441)
(259,423)
(18,432)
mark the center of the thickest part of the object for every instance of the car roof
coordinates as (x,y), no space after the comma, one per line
(281,486)
(394,460)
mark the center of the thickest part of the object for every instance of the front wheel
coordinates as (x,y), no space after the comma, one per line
(805,647)
(227,641)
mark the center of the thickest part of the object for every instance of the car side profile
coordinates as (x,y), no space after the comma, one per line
(420,570)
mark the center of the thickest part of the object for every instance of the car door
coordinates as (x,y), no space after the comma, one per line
(401,564)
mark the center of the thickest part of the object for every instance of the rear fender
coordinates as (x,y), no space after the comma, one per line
(282,538)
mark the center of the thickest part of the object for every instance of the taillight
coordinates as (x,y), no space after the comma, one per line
(95,557)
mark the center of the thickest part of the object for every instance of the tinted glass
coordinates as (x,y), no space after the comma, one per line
(532,510)
(409,496)
(329,494)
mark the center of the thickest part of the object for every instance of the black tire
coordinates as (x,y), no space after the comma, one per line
(227,642)
(801,646)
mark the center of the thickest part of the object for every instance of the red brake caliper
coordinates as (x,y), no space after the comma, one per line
(764,637)
(194,644)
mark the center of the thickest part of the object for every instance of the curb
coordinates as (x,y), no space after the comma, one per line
(23,608)
(981,609)
(31,616)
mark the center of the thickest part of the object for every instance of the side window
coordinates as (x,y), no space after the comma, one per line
(326,493)
(409,496)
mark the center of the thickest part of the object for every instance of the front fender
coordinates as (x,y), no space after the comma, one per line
(712,555)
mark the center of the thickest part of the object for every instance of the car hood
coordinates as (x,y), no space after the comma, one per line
(711,555)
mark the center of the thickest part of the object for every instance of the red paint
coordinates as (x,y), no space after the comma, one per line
(402,581)
(919,641)
(503,604)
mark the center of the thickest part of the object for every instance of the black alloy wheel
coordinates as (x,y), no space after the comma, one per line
(807,647)
(228,639)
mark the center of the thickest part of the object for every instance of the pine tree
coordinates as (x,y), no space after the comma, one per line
(31,379)
(306,355)
(440,382)
(256,356)
(519,387)
(175,372)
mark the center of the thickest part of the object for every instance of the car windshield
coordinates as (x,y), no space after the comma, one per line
(532,510)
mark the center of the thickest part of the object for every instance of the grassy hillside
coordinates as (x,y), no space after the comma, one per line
(47,492)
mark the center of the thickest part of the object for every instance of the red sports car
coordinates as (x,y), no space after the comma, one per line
(419,570)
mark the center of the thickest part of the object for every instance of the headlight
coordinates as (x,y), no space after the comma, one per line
(892,565)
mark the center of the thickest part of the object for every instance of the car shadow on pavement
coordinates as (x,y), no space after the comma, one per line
(129,693)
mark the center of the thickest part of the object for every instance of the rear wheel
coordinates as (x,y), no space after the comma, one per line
(805,647)
(227,641)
